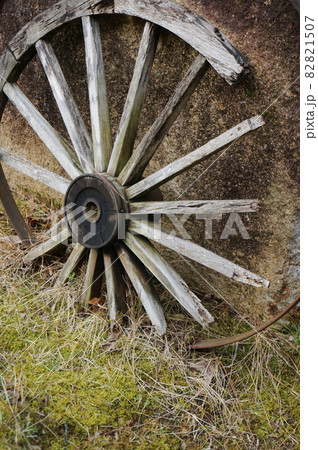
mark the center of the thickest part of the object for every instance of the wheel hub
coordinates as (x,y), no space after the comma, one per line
(93,204)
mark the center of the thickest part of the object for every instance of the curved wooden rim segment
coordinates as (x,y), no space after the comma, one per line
(190,27)
(12,210)
(206,344)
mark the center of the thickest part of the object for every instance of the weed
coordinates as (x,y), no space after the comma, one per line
(64,384)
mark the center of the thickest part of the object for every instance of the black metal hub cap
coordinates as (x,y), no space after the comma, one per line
(93,204)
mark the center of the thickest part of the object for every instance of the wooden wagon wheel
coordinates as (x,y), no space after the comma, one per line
(105,178)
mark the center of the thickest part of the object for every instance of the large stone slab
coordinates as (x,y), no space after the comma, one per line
(262,165)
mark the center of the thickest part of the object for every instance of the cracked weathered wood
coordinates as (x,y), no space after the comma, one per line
(47,246)
(168,277)
(37,173)
(143,287)
(186,162)
(141,156)
(65,101)
(196,253)
(71,264)
(54,142)
(93,277)
(193,29)
(10,69)
(115,284)
(98,100)
(203,207)
(127,130)
(51,19)
(7,65)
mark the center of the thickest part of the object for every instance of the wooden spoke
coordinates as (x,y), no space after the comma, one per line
(115,284)
(198,254)
(175,168)
(54,142)
(195,207)
(59,184)
(100,120)
(12,210)
(48,246)
(13,239)
(126,135)
(93,277)
(72,262)
(140,158)
(144,288)
(67,106)
(151,258)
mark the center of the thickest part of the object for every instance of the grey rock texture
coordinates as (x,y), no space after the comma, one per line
(262,165)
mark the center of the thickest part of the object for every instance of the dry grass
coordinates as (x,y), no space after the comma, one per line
(68,382)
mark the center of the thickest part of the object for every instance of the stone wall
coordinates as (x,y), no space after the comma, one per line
(262,165)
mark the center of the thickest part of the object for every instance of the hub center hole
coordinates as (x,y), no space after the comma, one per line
(92,211)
